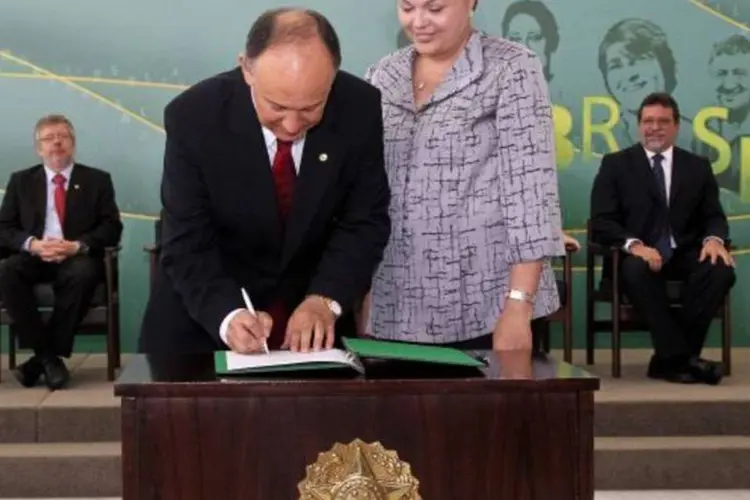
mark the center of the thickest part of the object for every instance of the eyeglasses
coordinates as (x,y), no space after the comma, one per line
(53,137)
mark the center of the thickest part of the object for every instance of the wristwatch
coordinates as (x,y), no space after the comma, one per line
(520,295)
(83,248)
(331,304)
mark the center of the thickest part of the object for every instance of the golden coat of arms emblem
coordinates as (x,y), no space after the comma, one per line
(359,471)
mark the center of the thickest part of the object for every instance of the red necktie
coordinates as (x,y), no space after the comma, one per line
(59,182)
(284,175)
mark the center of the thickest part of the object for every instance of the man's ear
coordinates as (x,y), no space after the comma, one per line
(245,66)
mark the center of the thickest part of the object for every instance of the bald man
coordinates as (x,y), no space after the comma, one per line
(273,183)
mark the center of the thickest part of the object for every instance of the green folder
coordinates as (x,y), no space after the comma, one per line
(350,358)
(403,351)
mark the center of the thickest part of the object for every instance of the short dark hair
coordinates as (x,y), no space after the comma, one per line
(660,99)
(266,32)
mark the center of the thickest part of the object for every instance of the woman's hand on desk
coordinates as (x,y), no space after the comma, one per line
(247,332)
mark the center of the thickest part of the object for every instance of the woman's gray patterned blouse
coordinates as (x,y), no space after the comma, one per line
(474,191)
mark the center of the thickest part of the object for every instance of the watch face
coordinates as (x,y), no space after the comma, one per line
(335,308)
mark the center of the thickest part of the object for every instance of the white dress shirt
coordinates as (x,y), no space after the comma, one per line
(297,148)
(52,226)
(666,165)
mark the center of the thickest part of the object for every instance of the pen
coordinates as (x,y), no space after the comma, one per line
(249,306)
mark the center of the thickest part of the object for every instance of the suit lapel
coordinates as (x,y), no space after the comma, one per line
(250,152)
(39,198)
(77,189)
(321,161)
(678,171)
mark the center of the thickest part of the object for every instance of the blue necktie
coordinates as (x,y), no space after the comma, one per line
(663,231)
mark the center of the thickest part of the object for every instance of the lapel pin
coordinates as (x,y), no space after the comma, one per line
(76,186)
(323,157)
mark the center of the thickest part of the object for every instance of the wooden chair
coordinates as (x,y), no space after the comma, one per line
(623,316)
(564,315)
(103,316)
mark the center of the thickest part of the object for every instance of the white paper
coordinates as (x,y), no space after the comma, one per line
(280,358)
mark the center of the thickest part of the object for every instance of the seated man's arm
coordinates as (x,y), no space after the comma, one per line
(190,253)
(108,230)
(356,245)
(714,218)
(606,218)
(12,237)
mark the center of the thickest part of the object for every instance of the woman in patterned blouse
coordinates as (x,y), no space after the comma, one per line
(470,156)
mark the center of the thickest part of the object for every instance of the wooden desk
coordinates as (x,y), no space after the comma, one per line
(522,431)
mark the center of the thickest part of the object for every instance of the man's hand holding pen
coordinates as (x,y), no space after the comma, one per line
(248,332)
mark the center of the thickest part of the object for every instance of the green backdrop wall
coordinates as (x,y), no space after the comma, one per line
(112,66)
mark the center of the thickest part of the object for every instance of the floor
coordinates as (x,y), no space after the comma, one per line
(88,387)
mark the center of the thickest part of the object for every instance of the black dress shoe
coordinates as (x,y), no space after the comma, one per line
(28,373)
(671,370)
(56,375)
(708,372)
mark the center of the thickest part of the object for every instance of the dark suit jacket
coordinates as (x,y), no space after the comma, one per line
(221,229)
(625,197)
(91,213)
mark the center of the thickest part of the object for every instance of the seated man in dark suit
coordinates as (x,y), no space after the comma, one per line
(273,183)
(661,204)
(55,221)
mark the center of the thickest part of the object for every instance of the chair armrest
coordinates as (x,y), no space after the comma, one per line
(111,271)
(603,250)
(570,248)
(111,255)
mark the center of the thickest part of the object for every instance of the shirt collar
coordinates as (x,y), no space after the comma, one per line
(666,154)
(64,172)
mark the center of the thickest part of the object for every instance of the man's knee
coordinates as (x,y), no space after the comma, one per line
(720,274)
(11,270)
(79,270)
(634,269)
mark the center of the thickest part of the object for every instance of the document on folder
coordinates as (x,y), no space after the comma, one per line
(275,361)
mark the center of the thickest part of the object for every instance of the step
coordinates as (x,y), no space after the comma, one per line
(679,462)
(671,418)
(646,419)
(641,463)
(86,411)
(50,424)
(60,470)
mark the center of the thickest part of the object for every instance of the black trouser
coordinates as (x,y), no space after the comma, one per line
(678,332)
(74,281)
